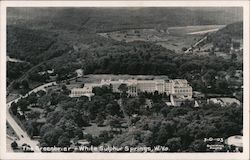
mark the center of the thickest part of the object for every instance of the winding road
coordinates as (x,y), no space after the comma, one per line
(23,136)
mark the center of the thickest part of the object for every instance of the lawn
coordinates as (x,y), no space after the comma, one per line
(10,131)
(176,43)
(95,130)
(11,97)
(175,38)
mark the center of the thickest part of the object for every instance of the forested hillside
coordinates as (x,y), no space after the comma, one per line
(224,37)
(107,18)
(33,46)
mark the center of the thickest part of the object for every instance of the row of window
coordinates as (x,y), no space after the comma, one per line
(182,90)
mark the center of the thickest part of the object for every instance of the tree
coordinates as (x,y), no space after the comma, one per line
(233,56)
(64,87)
(29,127)
(174,144)
(63,141)
(66,91)
(32,98)
(15,84)
(14,145)
(164,132)
(85,120)
(100,120)
(14,108)
(78,133)
(54,117)
(184,49)
(44,100)
(25,84)
(68,126)
(132,106)
(102,90)
(113,108)
(105,136)
(123,88)
(41,93)
(68,105)
(114,123)
(156,96)
(221,86)
(82,85)
(198,146)
(45,128)
(148,138)
(23,104)
(142,99)
(165,110)
(33,114)
(158,106)
(51,137)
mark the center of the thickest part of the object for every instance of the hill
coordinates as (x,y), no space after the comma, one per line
(33,46)
(223,38)
(104,19)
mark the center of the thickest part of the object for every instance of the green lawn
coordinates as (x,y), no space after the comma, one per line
(95,130)
(10,131)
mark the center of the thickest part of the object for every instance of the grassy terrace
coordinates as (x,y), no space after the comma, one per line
(174,39)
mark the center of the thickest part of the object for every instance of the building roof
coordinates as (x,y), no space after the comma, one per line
(230,100)
(225,100)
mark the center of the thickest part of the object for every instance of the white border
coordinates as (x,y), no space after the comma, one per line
(104,156)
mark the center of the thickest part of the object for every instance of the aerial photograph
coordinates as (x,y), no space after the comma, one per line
(124,79)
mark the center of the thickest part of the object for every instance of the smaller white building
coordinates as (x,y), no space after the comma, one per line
(224,101)
(85,91)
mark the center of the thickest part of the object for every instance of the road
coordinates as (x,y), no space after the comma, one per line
(23,136)
(204,32)
(196,44)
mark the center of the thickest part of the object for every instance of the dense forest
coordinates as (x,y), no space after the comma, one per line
(109,19)
(112,57)
(224,37)
(180,128)
(33,46)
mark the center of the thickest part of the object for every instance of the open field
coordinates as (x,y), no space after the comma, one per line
(173,38)
(95,130)
(176,43)
(11,97)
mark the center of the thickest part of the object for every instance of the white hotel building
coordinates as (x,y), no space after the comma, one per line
(177,87)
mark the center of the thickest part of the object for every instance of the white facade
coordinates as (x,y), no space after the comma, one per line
(86,90)
(177,87)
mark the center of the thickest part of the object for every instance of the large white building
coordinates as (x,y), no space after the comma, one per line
(177,87)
